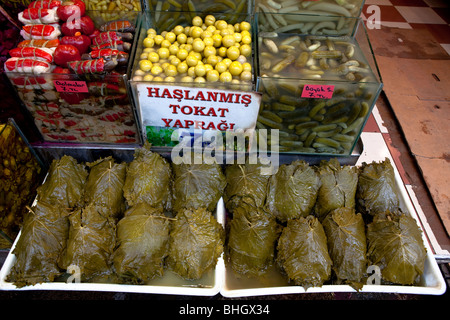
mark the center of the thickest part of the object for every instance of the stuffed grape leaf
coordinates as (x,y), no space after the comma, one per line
(346,239)
(41,245)
(252,240)
(104,185)
(376,188)
(292,191)
(142,244)
(197,186)
(91,243)
(196,242)
(395,244)
(338,187)
(303,253)
(64,185)
(245,183)
(148,179)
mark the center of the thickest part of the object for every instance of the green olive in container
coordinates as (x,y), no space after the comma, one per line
(317,89)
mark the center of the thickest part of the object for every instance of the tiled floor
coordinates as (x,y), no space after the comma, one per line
(431,15)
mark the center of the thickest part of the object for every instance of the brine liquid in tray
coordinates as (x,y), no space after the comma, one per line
(312,57)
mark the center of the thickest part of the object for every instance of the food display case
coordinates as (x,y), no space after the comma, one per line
(80,102)
(318,85)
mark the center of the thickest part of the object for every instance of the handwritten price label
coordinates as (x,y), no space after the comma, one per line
(70,86)
(317,91)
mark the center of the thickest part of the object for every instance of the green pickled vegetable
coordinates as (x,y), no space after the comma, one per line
(40,247)
(292,191)
(376,190)
(142,244)
(338,187)
(252,240)
(196,242)
(346,239)
(245,183)
(148,179)
(303,253)
(395,245)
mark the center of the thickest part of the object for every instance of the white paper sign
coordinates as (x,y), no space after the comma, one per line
(189,108)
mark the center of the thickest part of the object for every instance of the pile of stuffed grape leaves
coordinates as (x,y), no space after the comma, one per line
(245,184)
(292,191)
(303,253)
(376,188)
(395,245)
(197,186)
(142,244)
(252,240)
(337,189)
(346,239)
(196,242)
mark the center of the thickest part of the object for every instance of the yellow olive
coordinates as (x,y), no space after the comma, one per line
(246,67)
(171,36)
(163,53)
(178,29)
(175,61)
(153,57)
(145,65)
(212,76)
(210,20)
(197,21)
(151,31)
(208,41)
(173,49)
(246,50)
(217,38)
(235,68)
(212,60)
(198,45)
(171,70)
(156,70)
(148,77)
(225,77)
(200,80)
(191,60)
(149,42)
(222,51)
(181,38)
(200,70)
(182,67)
(246,76)
(169,79)
(221,24)
(228,40)
(158,39)
(233,52)
(209,51)
(182,54)
(221,67)
(244,25)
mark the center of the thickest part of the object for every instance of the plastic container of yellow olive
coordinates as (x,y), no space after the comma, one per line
(195,49)
(317,89)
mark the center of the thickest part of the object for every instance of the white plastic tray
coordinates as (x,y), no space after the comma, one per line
(209,285)
(432,281)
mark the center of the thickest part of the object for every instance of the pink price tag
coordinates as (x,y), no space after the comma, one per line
(318,91)
(70,86)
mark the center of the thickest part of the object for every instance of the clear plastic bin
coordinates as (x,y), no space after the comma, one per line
(318,90)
